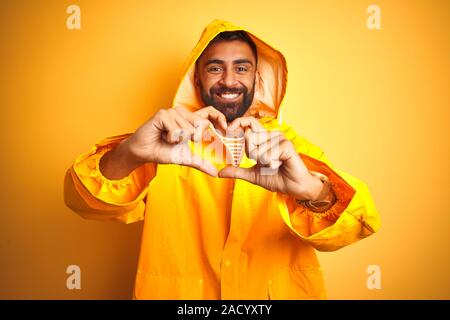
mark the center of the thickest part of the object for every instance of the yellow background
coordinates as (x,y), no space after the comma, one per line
(377,102)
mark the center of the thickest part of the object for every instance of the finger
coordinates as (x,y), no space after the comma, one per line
(199,116)
(200,124)
(254,139)
(171,130)
(187,129)
(176,136)
(247,174)
(268,150)
(202,165)
(181,154)
(245,122)
(179,132)
(164,121)
(250,144)
(274,154)
(200,128)
(214,115)
(191,121)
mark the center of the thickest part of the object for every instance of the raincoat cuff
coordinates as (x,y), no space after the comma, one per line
(343,191)
(117,187)
(334,212)
(122,191)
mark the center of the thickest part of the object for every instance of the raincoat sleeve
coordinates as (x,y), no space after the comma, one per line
(351,218)
(93,196)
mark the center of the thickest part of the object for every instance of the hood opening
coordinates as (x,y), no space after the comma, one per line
(271,71)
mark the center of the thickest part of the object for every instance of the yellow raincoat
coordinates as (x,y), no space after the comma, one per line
(213,238)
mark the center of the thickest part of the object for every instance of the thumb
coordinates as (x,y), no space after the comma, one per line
(248,174)
(181,154)
(202,165)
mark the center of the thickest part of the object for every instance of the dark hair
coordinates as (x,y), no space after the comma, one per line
(237,35)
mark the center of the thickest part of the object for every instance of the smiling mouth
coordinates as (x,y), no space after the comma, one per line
(229,97)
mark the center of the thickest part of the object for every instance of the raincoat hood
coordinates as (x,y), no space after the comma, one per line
(271,70)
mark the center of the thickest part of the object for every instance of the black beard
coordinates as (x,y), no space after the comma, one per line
(231,110)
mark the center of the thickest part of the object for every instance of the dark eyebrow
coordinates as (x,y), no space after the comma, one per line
(214,61)
(218,61)
(240,61)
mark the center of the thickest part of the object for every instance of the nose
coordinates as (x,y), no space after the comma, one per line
(228,79)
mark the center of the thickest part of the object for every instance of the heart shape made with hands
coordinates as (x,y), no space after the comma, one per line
(233,144)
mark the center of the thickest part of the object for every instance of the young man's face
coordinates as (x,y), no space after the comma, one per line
(225,76)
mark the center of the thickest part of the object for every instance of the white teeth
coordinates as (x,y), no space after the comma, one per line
(229,95)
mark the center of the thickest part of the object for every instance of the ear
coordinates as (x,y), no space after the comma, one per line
(257,80)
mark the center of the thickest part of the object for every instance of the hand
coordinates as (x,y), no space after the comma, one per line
(278,166)
(164,139)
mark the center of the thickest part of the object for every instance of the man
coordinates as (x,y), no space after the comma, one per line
(212,230)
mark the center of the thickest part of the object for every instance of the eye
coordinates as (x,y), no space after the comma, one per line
(241,69)
(215,69)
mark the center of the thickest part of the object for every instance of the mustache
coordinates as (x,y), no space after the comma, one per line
(224,90)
